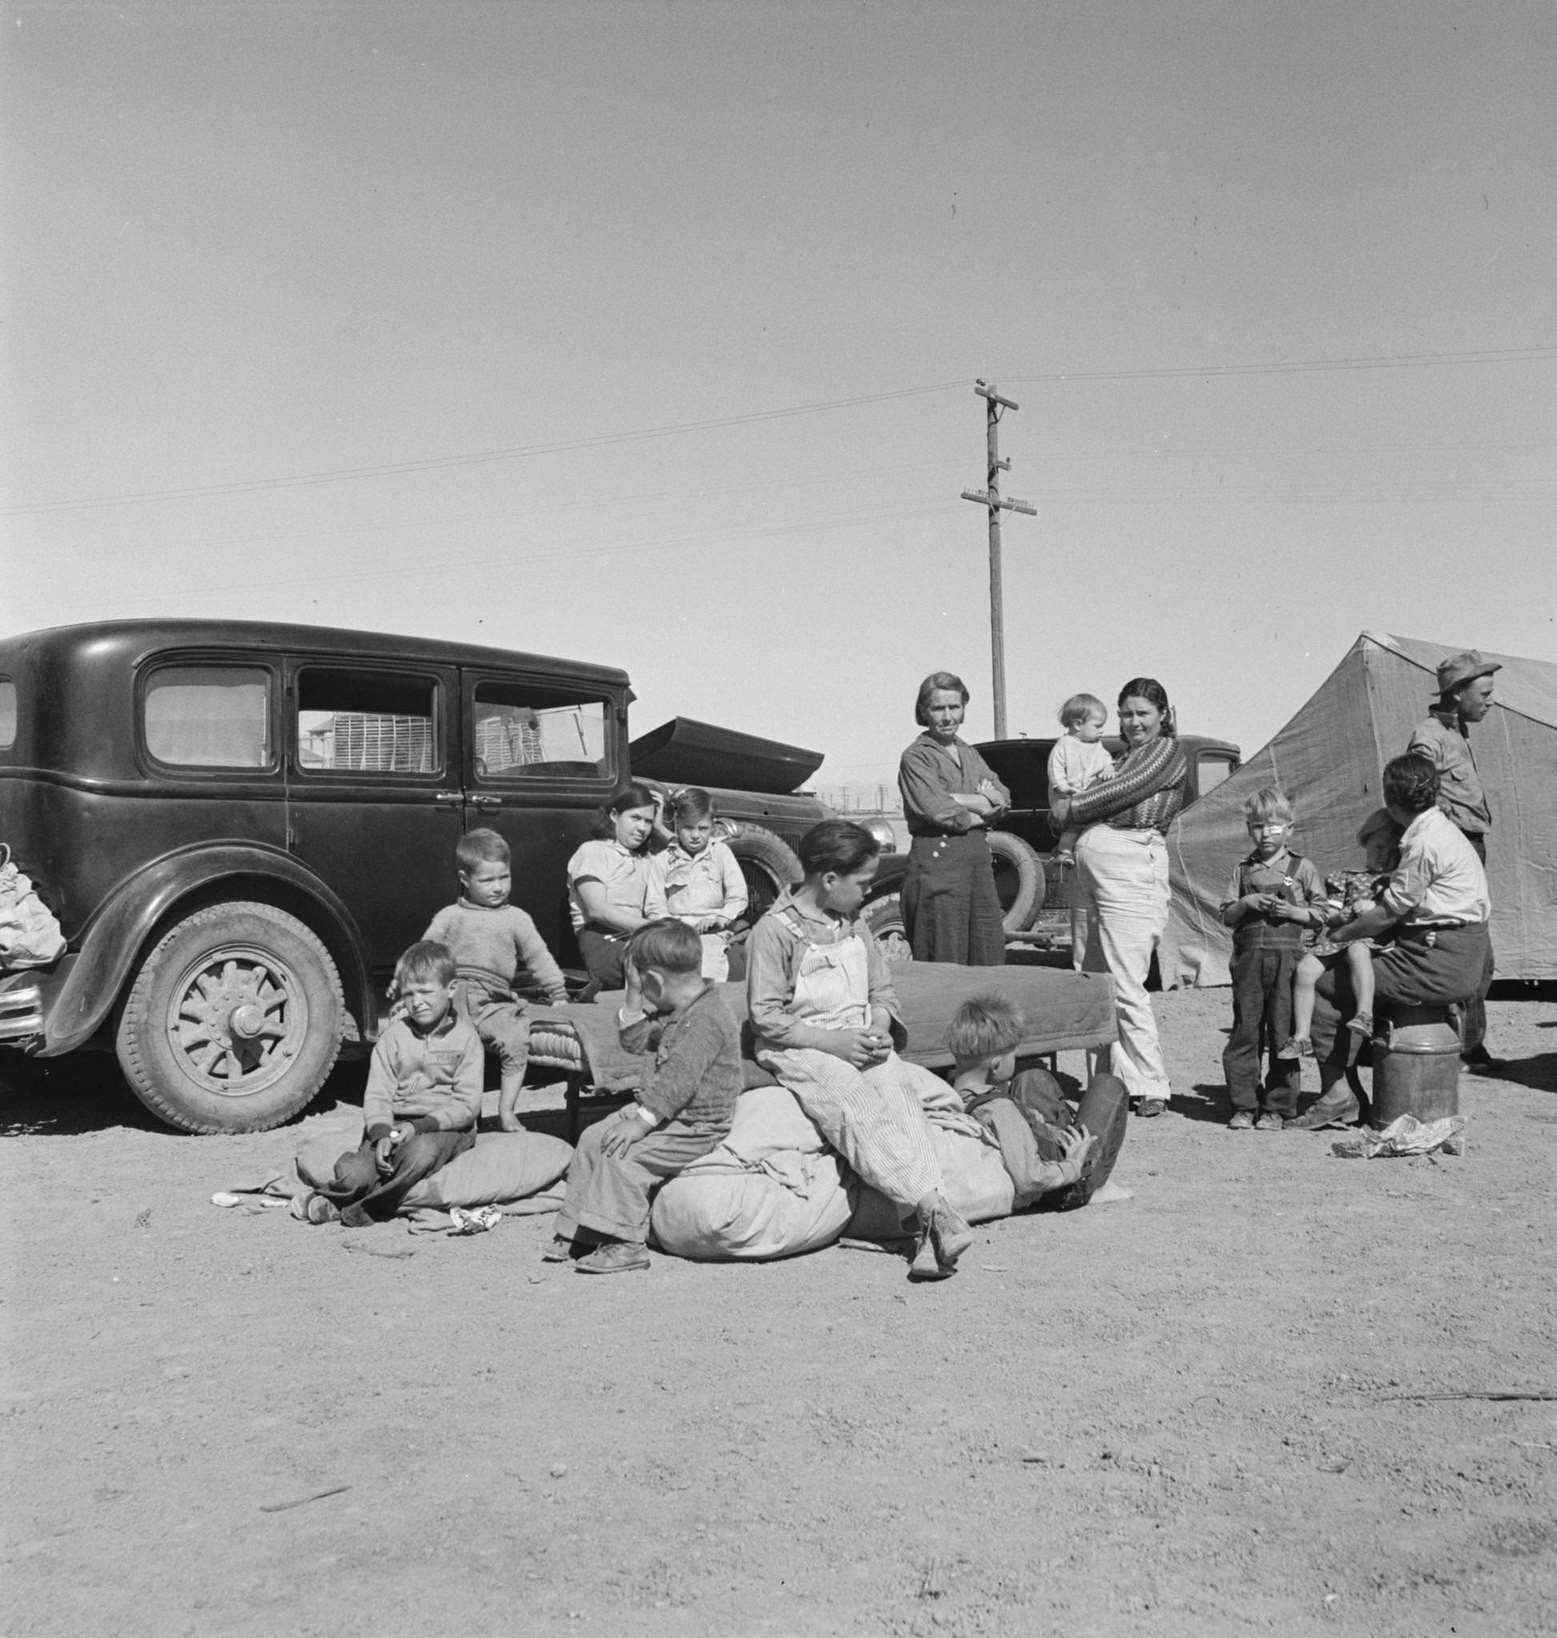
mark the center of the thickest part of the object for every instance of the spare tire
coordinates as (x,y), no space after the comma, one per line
(1018,880)
(767,862)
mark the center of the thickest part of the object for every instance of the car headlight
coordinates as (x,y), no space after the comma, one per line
(883,834)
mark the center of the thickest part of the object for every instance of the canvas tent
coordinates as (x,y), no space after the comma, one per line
(1328,758)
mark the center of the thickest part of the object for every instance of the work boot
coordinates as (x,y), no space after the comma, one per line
(944,1236)
(1337,1107)
(614,1257)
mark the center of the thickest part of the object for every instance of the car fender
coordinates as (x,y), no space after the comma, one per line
(891,868)
(95,975)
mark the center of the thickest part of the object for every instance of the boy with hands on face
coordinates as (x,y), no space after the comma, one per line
(672,1014)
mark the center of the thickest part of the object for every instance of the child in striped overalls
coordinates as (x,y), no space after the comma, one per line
(825,1017)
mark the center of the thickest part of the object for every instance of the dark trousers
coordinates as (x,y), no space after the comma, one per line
(1262,1022)
(604,955)
(1473,1031)
(951,910)
(1025,1117)
(366,1197)
(1422,968)
(610,1195)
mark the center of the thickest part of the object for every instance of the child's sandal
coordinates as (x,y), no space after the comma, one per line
(1362,1024)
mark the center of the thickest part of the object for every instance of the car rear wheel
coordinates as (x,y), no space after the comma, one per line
(233,1021)
(767,862)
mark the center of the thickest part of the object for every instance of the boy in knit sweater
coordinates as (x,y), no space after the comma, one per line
(493,942)
(686,1106)
(421,1103)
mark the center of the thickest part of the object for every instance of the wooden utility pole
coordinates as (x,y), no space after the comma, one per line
(990,497)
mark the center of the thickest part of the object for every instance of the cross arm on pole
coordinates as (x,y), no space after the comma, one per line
(984,498)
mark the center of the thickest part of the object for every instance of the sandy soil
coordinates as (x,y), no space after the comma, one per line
(1208,1409)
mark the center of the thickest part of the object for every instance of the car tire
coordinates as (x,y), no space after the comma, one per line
(1019,876)
(767,862)
(884,917)
(233,1020)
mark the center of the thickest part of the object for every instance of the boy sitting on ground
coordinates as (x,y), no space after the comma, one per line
(1042,1142)
(421,1103)
(685,1108)
(493,942)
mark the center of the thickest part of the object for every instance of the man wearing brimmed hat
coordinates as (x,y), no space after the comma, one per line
(1465,692)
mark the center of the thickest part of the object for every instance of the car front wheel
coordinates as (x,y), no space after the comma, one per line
(233,1020)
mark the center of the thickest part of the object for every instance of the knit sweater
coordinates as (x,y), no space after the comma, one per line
(695,1076)
(431,1082)
(495,946)
(1146,792)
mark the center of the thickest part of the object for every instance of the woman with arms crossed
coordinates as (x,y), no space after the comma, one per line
(1122,876)
(950,908)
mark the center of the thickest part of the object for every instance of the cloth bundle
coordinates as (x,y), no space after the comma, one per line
(29,934)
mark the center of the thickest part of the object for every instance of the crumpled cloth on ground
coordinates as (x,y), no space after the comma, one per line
(478,1221)
(1406,1135)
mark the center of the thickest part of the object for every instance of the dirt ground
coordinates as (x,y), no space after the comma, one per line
(1257,1397)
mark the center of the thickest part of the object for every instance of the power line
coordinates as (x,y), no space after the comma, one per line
(1506,355)
(1303,366)
(514,452)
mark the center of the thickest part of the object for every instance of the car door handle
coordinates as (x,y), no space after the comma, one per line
(451,797)
(486,801)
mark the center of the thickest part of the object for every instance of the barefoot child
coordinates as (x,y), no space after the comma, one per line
(1273,897)
(421,1103)
(824,1014)
(697,880)
(493,942)
(1350,894)
(687,1104)
(1045,1146)
(1077,762)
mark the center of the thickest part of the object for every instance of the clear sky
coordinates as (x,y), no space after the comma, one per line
(471,320)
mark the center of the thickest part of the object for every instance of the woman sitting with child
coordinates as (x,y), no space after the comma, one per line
(1435,910)
(825,1017)
(608,884)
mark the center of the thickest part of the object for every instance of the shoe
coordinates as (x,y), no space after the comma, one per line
(1334,1109)
(318,1209)
(950,1233)
(944,1235)
(614,1257)
(1362,1024)
(1242,1121)
(559,1251)
(926,1265)
(1298,1047)
(1481,1061)
(1269,1122)
(1150,1108)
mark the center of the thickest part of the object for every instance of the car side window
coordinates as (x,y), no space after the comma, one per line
(351,720)
(7,713)
(208,716)
(528,731)
(1213,771)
